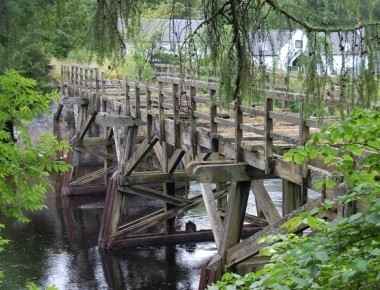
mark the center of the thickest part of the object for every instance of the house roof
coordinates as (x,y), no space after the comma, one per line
(170,30)
(269,43)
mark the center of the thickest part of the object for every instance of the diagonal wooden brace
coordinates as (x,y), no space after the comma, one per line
(145,147)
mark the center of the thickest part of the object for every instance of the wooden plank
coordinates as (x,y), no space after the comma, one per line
(154,194)
(214,138)
(113,120)
(74,101)
(212,213)
(157,239)
(224,172)
(144,148)
(155,177)
(111,214)
(265,202)
(194,134)
(268,129)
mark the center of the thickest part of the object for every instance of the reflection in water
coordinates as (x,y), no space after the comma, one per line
(59,246)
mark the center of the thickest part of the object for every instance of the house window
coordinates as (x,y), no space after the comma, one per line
(299,44)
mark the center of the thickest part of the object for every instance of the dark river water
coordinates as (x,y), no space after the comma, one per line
(59,247)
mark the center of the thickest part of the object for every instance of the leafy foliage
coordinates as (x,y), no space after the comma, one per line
(340,255)
(31,31)
(24,165)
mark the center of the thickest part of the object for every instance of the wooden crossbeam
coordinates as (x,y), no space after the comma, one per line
(90,177)
(143,150)
(154,194)
(98,153)
(222,172)
(74,101)
(175,160)
(149,177)
(161,216)
(113,120)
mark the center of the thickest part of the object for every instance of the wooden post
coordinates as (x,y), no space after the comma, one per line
(111,213)
(162,136)
(194,133)
(237,198)
(107,131)
(295,195)
(213,124)
(127,98)
(268,129)
(138,102)
(177,125)
(304,130)
(149,117)
(238,131)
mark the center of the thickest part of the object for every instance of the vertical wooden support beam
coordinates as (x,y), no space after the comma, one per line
(237,198)
(111,213)
(103,102)
(138,102)
(238,131)
(176,108)
(295,195)
(149,117)
(80,80)
(169,188)
(86,80)
(127,99)
(268,128)
(237,205)
(213,124)
(76,80)
(304,130)
(162,128)
(107,132)
(194,133)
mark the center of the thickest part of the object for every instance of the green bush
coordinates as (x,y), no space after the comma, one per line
(344,254)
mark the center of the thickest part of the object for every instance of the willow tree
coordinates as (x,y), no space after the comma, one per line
(232,32)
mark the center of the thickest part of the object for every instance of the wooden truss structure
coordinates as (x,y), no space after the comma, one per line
(179,124)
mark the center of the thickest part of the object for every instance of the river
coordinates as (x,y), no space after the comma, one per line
(59,247)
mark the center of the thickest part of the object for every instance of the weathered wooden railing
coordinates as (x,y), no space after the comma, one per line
(193,138)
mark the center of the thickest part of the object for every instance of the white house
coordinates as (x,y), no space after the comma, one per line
(280,49)
(284,50)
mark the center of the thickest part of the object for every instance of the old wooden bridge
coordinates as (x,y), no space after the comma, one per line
(150,139)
